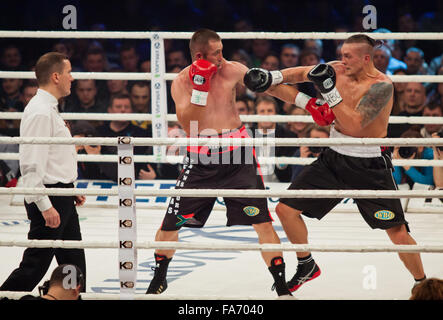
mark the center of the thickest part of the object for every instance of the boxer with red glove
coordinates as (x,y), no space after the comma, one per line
(260,80)
(320,110)
(200,73)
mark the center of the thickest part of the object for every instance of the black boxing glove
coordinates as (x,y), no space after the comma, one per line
(324,78)
(259,80)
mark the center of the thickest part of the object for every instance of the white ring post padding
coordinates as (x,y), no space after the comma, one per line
(285,142)
(223,35)
(170,245)
(127,215)
(261,160)
(244,118)
(233,193)
(159,99)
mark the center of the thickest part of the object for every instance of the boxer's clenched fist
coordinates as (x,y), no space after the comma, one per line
(259,80)
(200,73)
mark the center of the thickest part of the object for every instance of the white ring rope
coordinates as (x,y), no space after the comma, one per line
(118,296)
(222,209)
(171,76)
(233,193)
(90,75)
(223,35)
(244,118)
(219,142)
(169,245)
(261,160)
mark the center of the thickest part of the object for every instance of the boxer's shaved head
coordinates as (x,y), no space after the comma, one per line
(361,38)
(365,44)
(200,40)
(358,54)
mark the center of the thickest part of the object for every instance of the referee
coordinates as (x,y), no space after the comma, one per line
(50,166)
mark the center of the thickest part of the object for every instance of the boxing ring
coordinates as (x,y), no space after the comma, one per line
(119,253)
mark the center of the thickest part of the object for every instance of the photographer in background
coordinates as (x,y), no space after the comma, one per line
(408,174)
(429,289)
(66,283)
(309,152)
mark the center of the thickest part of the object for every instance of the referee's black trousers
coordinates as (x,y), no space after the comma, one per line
(36,261)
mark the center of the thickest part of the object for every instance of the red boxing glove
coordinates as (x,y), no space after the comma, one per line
(11,183)
(200,73)
(321,113)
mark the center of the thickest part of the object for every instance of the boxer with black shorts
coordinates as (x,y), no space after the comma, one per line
(225,173)
(204,96)
(358,102)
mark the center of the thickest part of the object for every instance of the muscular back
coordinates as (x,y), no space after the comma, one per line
(370,101)
(220,113)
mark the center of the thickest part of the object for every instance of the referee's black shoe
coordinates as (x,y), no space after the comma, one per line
(159,283)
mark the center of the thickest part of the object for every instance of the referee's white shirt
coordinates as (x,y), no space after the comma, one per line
(45,164)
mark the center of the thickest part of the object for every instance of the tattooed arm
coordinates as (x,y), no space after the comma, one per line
(374,101)
(356,118)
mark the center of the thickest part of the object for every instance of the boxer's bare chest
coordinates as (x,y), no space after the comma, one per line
(352,91)
(219,113)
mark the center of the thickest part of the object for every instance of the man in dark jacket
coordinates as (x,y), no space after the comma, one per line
(266,105)
(121,103)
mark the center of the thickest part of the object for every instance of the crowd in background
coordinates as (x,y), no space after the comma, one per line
(393,57)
